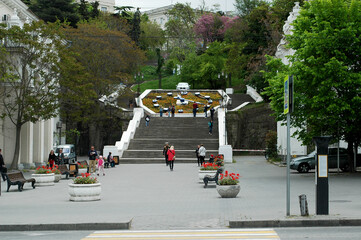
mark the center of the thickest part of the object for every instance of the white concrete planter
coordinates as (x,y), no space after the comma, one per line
(228,191)
(84,192)
(57,177)
(82,170)
(44,179)
(202,173)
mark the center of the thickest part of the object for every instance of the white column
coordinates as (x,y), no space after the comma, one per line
(26,143)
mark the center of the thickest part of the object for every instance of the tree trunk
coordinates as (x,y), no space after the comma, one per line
(160,80)
(230,80)
(14,164)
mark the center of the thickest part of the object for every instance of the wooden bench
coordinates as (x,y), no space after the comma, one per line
(17,178)
(64,170)
(209,178)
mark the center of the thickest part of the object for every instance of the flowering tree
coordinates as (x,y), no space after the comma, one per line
(212,27)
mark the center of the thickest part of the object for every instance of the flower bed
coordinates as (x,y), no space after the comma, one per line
(209,166)
(85,179)
(228,179)
(167,100)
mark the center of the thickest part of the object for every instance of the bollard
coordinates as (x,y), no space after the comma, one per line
(303,205)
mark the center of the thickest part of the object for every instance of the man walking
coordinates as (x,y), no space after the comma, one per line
(202,153)
(210,126)
(147,119)
(212,113)
(195,106)
(92,159)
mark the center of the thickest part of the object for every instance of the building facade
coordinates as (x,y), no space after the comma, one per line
(36,139)
(158,15)
(105,5)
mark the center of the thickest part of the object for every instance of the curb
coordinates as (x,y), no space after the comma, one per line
(295,223)
(66,227)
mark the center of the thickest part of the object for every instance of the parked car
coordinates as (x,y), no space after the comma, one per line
(305,163)
(182,86)
(69,152)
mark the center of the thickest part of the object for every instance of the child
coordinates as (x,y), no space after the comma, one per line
(101,165)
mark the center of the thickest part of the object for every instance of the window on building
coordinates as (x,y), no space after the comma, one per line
(104,9)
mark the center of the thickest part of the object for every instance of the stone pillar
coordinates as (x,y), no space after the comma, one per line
(48,137)
(26,144)
(38,142)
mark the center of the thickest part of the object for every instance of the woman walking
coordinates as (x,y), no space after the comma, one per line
(171,157)
(51,159)
(165,153)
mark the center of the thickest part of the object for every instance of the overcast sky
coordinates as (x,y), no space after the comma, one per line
(225,5)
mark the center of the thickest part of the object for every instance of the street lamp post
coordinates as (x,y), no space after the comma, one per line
(108,104)
(58,126)
(137,78)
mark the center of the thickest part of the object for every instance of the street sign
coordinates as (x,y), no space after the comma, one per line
(288,95)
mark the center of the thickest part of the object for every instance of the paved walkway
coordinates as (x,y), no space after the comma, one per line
(153,197)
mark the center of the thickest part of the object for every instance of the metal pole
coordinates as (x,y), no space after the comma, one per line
(288,163)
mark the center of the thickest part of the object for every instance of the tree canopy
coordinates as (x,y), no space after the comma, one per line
(326,66)
(52,10)
(30,72)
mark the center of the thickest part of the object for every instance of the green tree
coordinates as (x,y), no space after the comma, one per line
(151,36)
(159,67)
(109,58)
(179,27)
(52,10)
(326,67)
(135,33)
(30,71)
(245,7)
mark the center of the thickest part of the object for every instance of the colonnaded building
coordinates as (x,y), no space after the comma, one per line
(37,139)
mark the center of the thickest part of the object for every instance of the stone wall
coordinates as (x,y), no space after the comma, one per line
(247,128)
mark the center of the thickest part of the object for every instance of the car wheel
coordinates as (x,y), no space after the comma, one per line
(303,168)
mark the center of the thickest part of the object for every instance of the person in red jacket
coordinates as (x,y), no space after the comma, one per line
(171,157)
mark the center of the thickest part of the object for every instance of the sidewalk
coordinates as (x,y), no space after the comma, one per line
(150,196)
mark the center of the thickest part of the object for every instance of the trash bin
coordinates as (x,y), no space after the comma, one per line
(303,205)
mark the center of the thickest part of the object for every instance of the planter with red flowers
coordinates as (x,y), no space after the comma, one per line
(228,185)
(207,169)
(57,173)
(43,176)
(84,188)
(82,168)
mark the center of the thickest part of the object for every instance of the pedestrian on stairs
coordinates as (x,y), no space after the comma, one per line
(210,126)
(212,113)
(173,110)
(165,152)
(147,120)
(171,157)
(205,110)
(202,154)
(195,107)
(160,111)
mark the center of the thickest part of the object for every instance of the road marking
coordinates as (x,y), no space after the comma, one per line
(254,234)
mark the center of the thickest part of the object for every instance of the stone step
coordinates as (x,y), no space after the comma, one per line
(180,145)
(156,160)
(159,153)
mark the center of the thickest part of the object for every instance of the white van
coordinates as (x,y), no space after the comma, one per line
(183,86)
(69,152)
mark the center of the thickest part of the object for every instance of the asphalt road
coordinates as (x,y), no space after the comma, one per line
(319,233)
